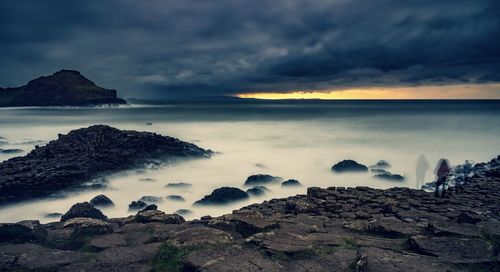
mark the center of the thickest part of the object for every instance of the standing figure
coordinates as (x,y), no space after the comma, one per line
(442,171)
(422,167)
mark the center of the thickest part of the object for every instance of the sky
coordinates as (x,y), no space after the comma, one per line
(259,49)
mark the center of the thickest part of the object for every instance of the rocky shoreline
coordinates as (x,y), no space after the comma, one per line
(84,154)
(332,229)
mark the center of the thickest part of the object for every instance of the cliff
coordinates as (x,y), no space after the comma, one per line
(63,88)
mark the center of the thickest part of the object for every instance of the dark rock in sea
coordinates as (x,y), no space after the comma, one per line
(178,185)
(349,166)
(260,165)
(256,191)
(151,199)
(291,183)
(63,88)
(149,124)
(379,171)
(261,179)
(183,212)
(151,207)
(137,205)
(390,176)
(83,209)
(54,215)
(101,201)
(262,187)
(147,180)
(84,154)
(381,165)
(175,198)
(11,151)
(223,195)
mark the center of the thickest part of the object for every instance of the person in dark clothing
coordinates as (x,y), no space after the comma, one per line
(442,171)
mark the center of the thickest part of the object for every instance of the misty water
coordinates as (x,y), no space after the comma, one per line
(299,140)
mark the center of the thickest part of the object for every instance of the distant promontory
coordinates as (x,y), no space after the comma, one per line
(63,88)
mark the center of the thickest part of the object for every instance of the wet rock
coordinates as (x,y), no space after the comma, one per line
(256,191)
(183,212)
(178,185)
(381,165)
(11,151)
(82,155)
(151,207)
(151,199)
(158,216)
(137,205)
(349,166)
(389,176)
(175,198)
(223,195)
(379,171)
(147,180)
(54,215)
(200,236)
(101,201)
(291,183)
(261,179)
(83,209)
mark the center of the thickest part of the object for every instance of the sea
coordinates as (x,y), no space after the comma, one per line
(292,139)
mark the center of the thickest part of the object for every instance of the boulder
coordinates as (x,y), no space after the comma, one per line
(158,216)
(389,176)
(261,179)
(291,183)
(183,212)
(11,151)
(151,199)
(175,198)
(200,236)
(256,191)
(83,209)
(137,205)
(349,166)
(101,201)
(151,207)
(381,165)
(84,226)
(178,185)
(223,195)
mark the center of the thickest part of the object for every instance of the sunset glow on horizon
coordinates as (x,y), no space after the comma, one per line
(475,91)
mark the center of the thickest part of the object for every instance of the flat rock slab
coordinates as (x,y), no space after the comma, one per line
(200,236)
(392,227)
(127,255)
(31,256)
(454,249)
(230,259)
(108,240)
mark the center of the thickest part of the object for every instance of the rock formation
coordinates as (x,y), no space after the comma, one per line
(63,88)
(84,154)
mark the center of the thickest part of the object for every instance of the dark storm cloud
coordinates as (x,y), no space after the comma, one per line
(192,48)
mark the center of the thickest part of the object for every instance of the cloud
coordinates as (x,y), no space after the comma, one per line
(209,48)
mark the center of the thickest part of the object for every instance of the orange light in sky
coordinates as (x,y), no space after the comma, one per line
(473,91)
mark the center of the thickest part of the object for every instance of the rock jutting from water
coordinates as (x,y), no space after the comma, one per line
(84,154)
(261,179)
(223,195)
(349,166)
(332,229)
(63,88)
(101,201)
(291,183)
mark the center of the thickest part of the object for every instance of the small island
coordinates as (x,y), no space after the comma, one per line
(63,88)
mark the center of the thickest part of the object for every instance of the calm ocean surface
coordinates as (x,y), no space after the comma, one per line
(291,139)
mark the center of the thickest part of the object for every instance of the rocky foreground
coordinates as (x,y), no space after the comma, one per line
(63,88)
(333,229)
(84,154)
